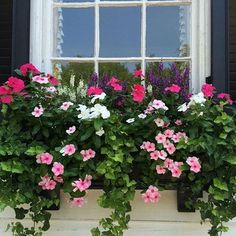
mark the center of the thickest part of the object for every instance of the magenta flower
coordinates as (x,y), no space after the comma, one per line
(40,79)
(173,88)
(58,168)
(28,67)
(78,201)
(68,150)
(138,93)
(17,85)
(138,73)
(225,96)
(38,111)
(115,84)
(208,90)
(44,158)
(94,91)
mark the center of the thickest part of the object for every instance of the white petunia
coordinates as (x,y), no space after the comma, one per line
(142,116)
(100,132)
(184,107)
(131,120)
(197,98)
(100,97)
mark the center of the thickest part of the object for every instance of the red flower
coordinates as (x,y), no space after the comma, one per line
(94,91)
(114,83)
(226,96)
(138,93)
(138,73)
(28,67)
(53,80)
(173,88)
(6,99)
(17,85)
(208,90)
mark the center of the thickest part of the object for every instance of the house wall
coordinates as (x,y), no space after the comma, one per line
(160,219)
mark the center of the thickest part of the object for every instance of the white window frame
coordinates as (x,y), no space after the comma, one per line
(41,36)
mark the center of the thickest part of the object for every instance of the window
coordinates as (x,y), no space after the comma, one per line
(96,34)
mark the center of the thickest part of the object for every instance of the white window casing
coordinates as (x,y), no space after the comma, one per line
(42,36)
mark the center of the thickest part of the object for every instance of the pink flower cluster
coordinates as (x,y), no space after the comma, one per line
(167,140)
(47,183)
(82,185)
(151,195)
(194,164)
(138,93)
(69,150)
(115,84)
(138,73)
(44,158)
(11,87)
(208,90)
(78,201)
(155,105)
(226,96)
(88,154)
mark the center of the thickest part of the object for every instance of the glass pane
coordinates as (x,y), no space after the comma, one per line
(120,31)
(168,31)
(74,32)
(123,71)
(72,75)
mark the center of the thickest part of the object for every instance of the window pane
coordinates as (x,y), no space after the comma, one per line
(120,31)
(123,71)
(168,31)
(71,75)
(73,0)
(74,33)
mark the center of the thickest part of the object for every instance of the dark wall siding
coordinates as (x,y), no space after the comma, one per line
(5,39)
(232,48)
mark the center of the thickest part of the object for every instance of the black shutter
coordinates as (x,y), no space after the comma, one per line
(232,48)
(220,45)
(14,35)
(5,39)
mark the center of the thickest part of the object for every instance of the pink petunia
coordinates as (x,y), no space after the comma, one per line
(176,172)
(69,150)
(58,168)
(170,148)
(178,122)
(38,111)
(58,179)
(82,185)
(8,99)
(159,122)
(160,170)
(40,79)
(4,90)
(53,80)
(208,90)
(173,88)
(160,138)
(71,130)
(154,155)
(151,195)
(138,93)
(169,133)
(168,163)
(78,201)
(44,158)
(194,164)
(158,104)
(46,183)
(94,91)
(65,105)
(88,154)
(162,155)
(115,83)
(150,147)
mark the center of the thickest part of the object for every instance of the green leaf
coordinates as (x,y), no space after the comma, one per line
(220,184)
(12,166)
(20,213)
(98,123)
(33,151)
(231,160)
(87,134)
(97,141)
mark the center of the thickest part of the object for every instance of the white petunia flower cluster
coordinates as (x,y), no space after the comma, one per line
(89,113)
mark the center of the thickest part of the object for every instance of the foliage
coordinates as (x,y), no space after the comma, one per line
(121,134)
